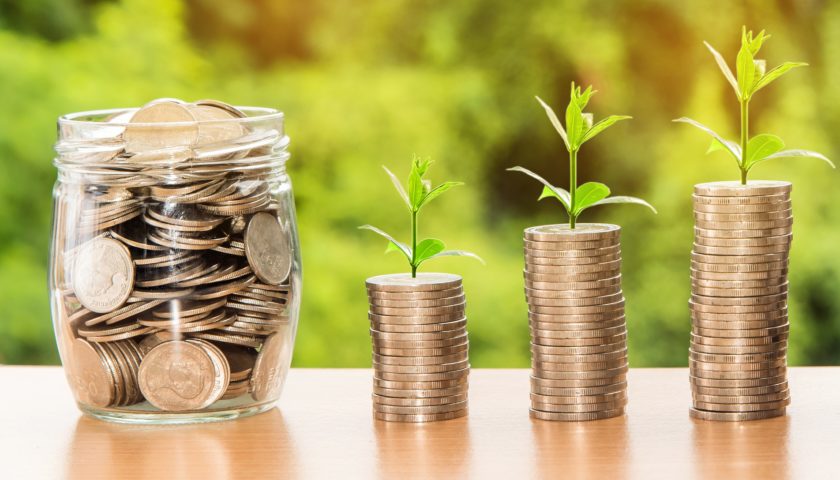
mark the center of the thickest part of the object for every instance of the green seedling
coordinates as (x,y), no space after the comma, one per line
(751,76)
(579,130)
(419,194)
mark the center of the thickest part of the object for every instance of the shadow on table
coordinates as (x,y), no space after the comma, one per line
(595,449)
(257,447)
(721,449)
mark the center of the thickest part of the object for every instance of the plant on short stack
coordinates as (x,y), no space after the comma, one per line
(579,130)
(419,194)
(751,76)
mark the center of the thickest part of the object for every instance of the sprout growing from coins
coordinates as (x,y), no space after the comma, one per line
(751,76)
(579,130)
(419,194)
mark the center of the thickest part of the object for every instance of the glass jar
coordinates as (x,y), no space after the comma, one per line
(175,272)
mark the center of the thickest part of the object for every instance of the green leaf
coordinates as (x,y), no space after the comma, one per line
(588,194)
(437,191)
(725,144)
(624,199)
(730,148)
(398,186)
(427,249)
(405,249)
(559,193)
(776,73)
(457,253)
(415,188)
(725,69)
(745,69)
(556,122)
(603,125)
(574,123)
(392,247)
(796,154)
(762,146)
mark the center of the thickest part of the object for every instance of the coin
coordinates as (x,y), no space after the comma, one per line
(431,417)
(268,249)
(158,125)
(742,407)
(423,295)
(422,283)
(772,206)
(613,267)
(578,408)
(582,232)
(269,368)
(419,402)
(421,369)
(576,417)
(748,391)
(736,189)
(103,275)
(92,378)
(738,383)
(420,410)
(571,245)
(178,376)
(735,416)
(420,393)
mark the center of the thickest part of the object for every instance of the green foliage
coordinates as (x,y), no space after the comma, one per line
(752,76)
(579,129)
(420,193)
(420,79)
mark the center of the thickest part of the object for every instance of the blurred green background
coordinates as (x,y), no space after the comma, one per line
(373,82)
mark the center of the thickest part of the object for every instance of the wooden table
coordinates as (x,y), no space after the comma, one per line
(323,429)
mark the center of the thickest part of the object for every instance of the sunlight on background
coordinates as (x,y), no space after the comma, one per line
(370,83)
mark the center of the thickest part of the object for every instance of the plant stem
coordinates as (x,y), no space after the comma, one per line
(413,244)
(745,137)
(573,185)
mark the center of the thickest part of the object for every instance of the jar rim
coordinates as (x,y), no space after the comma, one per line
(95,118)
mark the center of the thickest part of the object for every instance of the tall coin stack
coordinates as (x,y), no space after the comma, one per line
(576,316)
(739,321)
(420,347)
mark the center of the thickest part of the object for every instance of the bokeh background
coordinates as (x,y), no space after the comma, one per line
(367,83)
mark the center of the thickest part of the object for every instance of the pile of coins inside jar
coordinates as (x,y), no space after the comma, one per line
(739,321)
(173,260)
(418,328)
(576,316)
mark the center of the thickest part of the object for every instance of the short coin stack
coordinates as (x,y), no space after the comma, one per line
(739,321)
(420,347)
(576,315)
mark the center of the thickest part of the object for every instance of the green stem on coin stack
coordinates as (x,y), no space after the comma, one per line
(573,185)
(413,244)
(745,137)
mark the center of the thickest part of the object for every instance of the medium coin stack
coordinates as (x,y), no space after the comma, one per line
(739,321)
(173,262)
(418,328)
(576,315)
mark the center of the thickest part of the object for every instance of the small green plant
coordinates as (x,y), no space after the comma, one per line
(752,76)
(419,194)
(579,130)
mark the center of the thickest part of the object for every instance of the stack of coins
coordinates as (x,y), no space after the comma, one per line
(576,316)
(173,263)
(418,328)
(739,322)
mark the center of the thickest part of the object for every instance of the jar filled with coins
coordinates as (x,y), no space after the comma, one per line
(175,264)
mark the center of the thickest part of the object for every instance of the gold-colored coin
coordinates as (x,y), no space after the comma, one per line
(564,246)
(430,417)
(757,332)
(381,359)
(437,384)
(739,276)
(742,407)
(178,376)
(616,374)
(426,328)
(537,257)
(578,408)
(735,416)
(741,392)
(424,282)
(419,402)
(582,232)
(421,369)
(566,326)
(440,302)
(160,125)
(610,347)
(575,417)
(424,352)
(754,188)
(424,295)
(743,216)
(736,374)
(746,208)
(738,383)
(606,269)
(577,342)
(421,393)
(545,379)
(268,248)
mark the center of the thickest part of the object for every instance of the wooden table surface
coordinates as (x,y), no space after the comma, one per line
(323,429)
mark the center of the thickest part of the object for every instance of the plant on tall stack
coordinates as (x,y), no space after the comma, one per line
(573,288)
(739,264)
